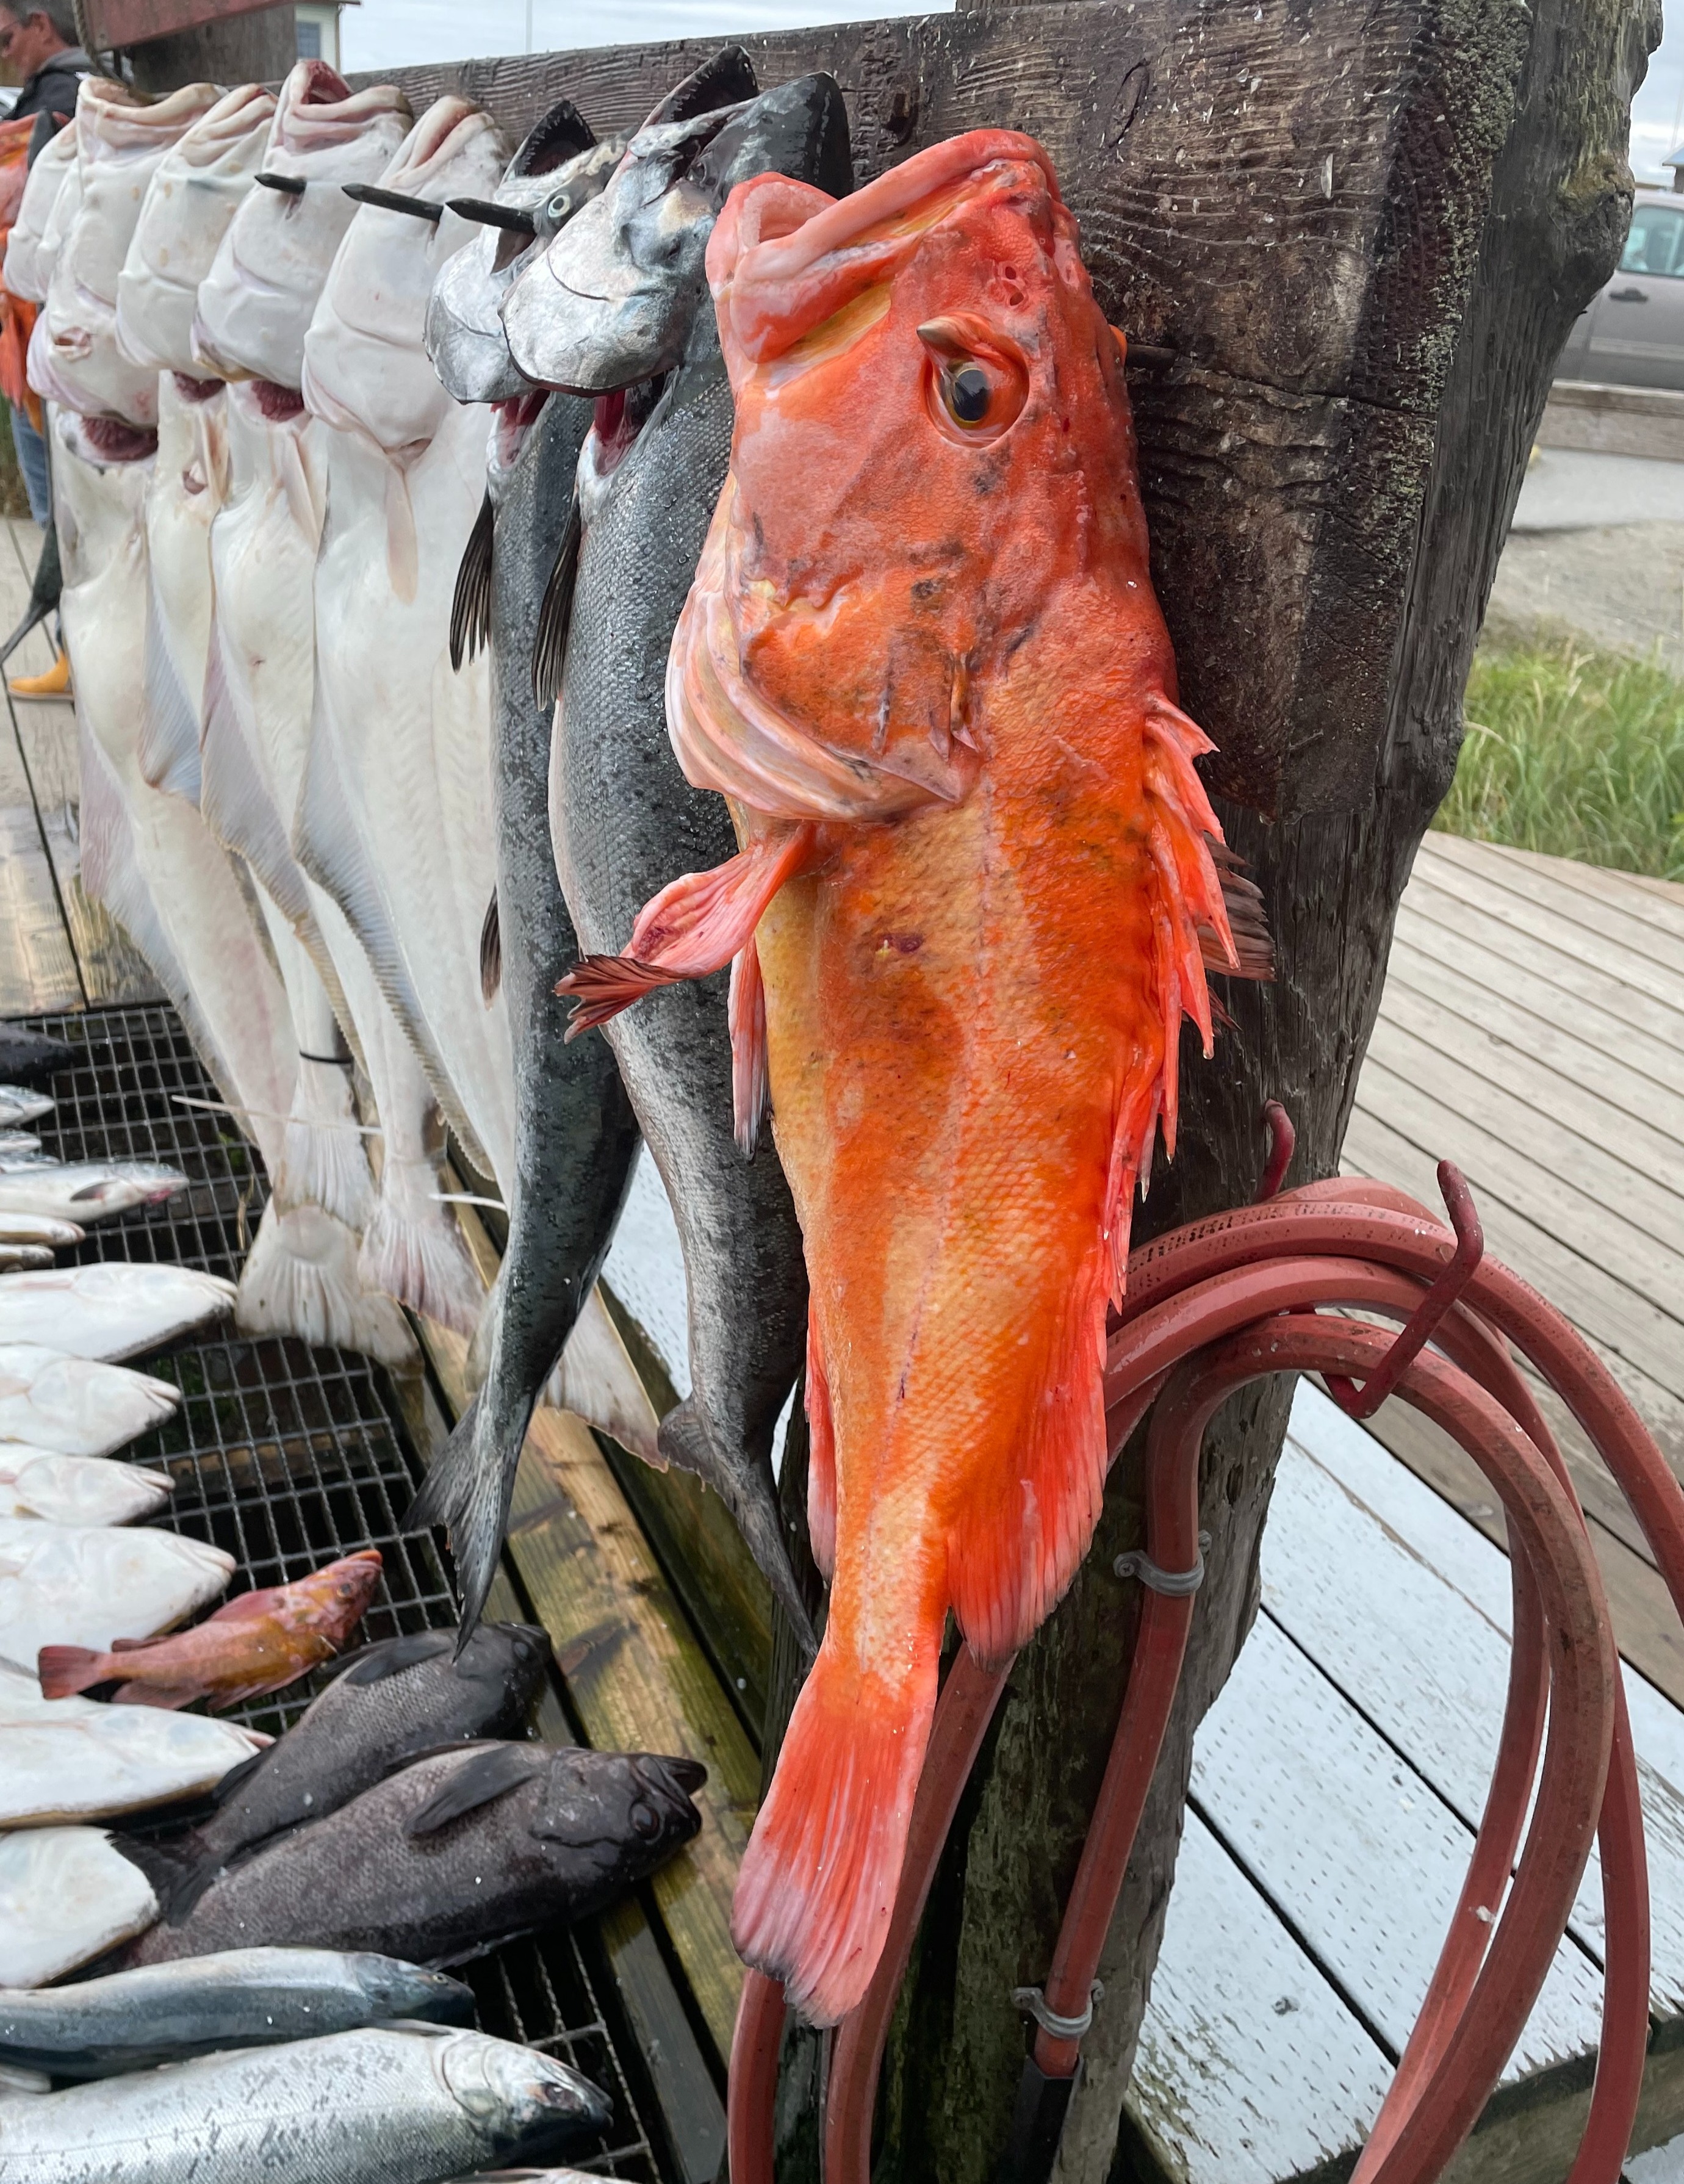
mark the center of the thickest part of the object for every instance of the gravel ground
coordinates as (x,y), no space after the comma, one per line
(1622,585)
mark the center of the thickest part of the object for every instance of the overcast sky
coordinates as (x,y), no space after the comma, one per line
(386,33)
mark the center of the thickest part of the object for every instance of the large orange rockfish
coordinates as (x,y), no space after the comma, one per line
(979,883)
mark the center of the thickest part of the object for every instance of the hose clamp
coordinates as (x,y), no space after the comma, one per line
(1032,2001)
(1176,1585)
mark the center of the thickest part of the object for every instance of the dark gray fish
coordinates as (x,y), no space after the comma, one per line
(576,1136)
(446,1860)
(240,1998)
(26,1056)
(557,169)
(387,2104)
(392,1702)
(624,820)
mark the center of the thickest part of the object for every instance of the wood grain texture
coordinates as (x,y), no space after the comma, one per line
(636,1676)
(1275,202)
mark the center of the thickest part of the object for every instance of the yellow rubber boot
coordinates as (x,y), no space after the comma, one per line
(54,683)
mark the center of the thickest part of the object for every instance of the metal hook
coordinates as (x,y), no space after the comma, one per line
(495,215)
(393,201)
(1283,1140)
(1424,1322)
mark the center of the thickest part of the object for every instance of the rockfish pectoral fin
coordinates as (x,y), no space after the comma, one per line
(692,928)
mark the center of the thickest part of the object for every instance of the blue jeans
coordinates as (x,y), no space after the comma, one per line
(32,462)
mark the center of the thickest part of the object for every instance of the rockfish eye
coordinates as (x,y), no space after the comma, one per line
(967,394)
(979,380)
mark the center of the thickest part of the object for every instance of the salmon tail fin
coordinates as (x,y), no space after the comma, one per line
(692,928)
(746,1014)
(821,1456)
(469,1496)
(1011,1556)
(818,1880)
(65,1670)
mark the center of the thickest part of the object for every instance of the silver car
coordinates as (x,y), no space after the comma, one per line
(1633,333)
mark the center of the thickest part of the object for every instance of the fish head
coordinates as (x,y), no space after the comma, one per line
(520,2097)
(332,1601)
(366,369)
(395,1990)
(630,1811)
(559,168)
(922,367)
(612,297)
(120,142)
(255,303)
(193,194)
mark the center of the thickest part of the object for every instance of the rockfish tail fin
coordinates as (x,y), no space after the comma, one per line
(818,1880)
(65,1670)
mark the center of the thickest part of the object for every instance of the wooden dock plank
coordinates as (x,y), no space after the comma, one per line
(1599,909)
(1657,902)
(1371,1886)
(1251,2067)
(1632,1332)
(1619,976)
(1426,950)
(1631,1226)
(635,1674)
(1429,1670)
(1579,1086)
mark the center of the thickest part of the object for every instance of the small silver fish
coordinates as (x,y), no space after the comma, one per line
(40,1229)
(84,1190)
(18,1141)
(383,2106)
(240,1998)
(18,1104)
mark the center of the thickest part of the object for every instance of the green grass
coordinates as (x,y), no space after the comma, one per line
(1572,752)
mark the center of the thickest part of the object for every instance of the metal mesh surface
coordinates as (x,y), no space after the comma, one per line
(287,1456)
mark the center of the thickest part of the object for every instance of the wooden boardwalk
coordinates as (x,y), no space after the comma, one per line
(1532,1029)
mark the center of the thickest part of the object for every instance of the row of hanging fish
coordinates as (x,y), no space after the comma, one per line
(829,768)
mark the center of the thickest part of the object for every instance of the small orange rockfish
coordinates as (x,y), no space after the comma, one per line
(979,886)
(259,1642)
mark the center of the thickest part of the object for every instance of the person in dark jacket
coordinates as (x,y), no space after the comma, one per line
(40,43)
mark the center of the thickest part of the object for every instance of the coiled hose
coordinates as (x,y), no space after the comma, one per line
(1272,1288)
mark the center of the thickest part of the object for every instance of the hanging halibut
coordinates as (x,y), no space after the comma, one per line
(324,1188)
(395,817)
(119,143)
(253,310)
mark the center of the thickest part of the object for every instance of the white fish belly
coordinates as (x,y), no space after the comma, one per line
(73,1585)
(66,1895)
(109,1310)
(73,1406)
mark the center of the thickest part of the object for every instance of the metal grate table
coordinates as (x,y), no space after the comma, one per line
(287,1456)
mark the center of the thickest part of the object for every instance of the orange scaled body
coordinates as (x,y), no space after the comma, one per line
(923,659)
(259,1642)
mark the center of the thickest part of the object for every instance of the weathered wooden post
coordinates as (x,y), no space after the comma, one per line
(1346,241)
(170,43)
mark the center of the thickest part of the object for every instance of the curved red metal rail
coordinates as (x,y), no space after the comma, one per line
(1221,1303)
